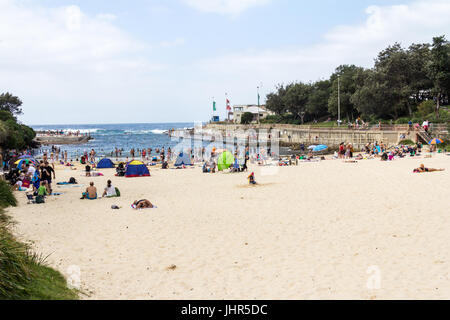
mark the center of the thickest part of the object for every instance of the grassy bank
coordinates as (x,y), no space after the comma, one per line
(23,274)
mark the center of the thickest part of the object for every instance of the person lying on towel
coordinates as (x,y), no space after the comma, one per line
(422,169)
(142,204)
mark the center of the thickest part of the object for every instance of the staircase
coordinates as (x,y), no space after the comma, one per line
(424,136)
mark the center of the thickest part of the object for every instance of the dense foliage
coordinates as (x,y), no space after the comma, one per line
(409,83)
(24,275)
(13,135)
(246,118)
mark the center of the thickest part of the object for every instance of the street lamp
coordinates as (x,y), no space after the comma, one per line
(339,100)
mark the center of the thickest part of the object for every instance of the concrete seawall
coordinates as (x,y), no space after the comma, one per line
(332,137)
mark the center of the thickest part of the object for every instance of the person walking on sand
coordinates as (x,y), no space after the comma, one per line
(46,175)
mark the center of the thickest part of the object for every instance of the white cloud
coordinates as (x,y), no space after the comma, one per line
(64,58)
(72,67)
(171,44)
(225,7)
(417,22)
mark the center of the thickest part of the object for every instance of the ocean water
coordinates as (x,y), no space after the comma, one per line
(107,137)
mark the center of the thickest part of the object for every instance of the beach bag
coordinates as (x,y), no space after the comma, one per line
(40,199)
(117,192)
(26,184)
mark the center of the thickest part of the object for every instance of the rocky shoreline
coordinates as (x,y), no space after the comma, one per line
(61,140)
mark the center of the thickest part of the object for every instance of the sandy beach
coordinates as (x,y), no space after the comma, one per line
(312,231)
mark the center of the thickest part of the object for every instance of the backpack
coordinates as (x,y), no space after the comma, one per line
(72,180)
(117,192)
(40,199)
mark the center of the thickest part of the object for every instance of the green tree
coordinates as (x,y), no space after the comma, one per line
(275,100)
(10,103)
(346,75)
(425,108)
(296,99)
(419,56)
(318,100)
(246,118)
(439,70)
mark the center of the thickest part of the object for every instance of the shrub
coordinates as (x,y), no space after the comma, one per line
(23,274)
(247,117)
(426,107)
(407,142)
(6,196)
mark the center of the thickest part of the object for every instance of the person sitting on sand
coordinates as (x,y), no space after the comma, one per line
(422,169)
(110,191)
(91,192)
(165,165)
(88,170)
(142,204)
(251,178)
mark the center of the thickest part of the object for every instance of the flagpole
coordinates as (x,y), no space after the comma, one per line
(226,107)
(258,103)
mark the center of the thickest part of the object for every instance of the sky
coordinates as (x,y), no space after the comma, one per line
(150,61)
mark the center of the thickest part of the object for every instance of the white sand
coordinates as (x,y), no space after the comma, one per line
(307,232)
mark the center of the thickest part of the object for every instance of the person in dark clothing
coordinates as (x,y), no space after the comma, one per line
(46,175)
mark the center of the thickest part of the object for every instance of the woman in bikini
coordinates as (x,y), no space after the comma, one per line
(142,204)
(422,169)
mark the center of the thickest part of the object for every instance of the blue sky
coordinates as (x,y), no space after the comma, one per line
(86,61)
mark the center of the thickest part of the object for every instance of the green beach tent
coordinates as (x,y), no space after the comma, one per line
(225,160)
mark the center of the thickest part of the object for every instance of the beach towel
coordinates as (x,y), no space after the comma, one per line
(133,206)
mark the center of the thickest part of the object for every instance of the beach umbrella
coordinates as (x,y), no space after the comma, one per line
(435,141)
(319,148)
(26,156)
(225,160)
(20,163)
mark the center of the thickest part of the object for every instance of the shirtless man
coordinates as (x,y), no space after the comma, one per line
(91,192)
(422,169)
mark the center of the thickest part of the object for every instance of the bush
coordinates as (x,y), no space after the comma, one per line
(23,275)
(402,121)
(6,196)
(407,142)
(426,107)
(247,117)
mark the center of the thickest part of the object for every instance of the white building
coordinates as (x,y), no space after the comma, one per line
(239,110)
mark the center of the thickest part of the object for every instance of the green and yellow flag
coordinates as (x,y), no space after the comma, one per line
(214,106)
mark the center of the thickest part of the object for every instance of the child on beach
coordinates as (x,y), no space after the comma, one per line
(251,178)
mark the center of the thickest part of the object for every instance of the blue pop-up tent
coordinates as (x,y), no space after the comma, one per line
(105,164)
(136,168)
(183,159)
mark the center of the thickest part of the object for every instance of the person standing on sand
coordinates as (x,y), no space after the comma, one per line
(46,175)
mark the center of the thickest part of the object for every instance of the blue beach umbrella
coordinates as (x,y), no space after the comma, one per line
(320,147)
(435,141)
